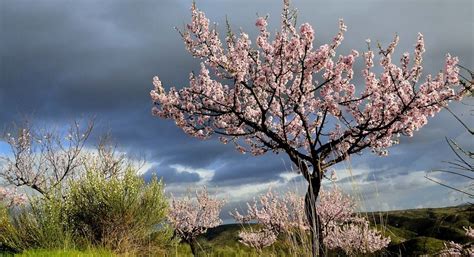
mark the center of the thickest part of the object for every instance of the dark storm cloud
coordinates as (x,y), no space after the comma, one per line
(171,175)
(69,58)
(64,59)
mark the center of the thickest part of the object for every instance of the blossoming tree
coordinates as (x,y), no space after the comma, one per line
(43,160)
(276,215)
(342,228)
(284,94)
(190,218)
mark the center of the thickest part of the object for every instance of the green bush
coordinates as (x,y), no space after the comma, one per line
(41,224)
(122,213)
(8,237)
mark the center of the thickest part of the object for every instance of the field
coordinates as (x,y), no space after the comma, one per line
(413,232)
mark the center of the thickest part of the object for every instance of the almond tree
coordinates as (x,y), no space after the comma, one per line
(42,160)
(190,217)
(45,159)
(341,227)
(276,215)
(284,94)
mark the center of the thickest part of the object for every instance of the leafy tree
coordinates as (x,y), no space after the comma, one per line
(122,213)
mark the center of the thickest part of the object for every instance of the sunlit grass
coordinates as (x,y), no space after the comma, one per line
(66,253)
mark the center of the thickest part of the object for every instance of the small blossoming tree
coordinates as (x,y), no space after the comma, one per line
(190,218)
(342,228)
(276,215)
(285,94)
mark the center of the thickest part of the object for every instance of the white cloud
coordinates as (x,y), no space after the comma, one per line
(205,174)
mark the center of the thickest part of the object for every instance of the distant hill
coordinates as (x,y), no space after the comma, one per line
(423,231)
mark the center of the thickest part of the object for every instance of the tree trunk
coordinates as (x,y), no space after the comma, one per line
(314,221)
(192,244)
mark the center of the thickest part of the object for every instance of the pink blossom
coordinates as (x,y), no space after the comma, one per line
(261,23)
(190,218)
(455,249)
(258,239)
(307,32)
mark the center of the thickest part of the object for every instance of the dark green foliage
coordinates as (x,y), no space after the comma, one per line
(418,246)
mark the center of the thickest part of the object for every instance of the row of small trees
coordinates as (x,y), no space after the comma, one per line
(343,228)
(60,166)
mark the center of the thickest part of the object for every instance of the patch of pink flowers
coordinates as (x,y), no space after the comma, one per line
(191,217)
(342,227)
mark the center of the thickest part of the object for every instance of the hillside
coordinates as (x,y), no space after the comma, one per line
(423,231)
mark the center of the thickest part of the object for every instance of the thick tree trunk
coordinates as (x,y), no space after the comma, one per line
(314,221)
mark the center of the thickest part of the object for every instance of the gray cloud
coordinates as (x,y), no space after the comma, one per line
(171,175)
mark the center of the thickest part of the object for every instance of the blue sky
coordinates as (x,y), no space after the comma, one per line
(62,60)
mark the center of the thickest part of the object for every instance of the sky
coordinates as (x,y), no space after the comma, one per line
(62,60)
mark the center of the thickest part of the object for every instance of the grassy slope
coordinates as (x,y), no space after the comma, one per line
(423,231)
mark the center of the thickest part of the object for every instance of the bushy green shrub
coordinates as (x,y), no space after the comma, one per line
(8,239)
(122,213)
(40,224)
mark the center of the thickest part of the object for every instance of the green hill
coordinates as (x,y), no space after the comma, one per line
(423,231)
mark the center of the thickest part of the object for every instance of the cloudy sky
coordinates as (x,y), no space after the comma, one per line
(62,60)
